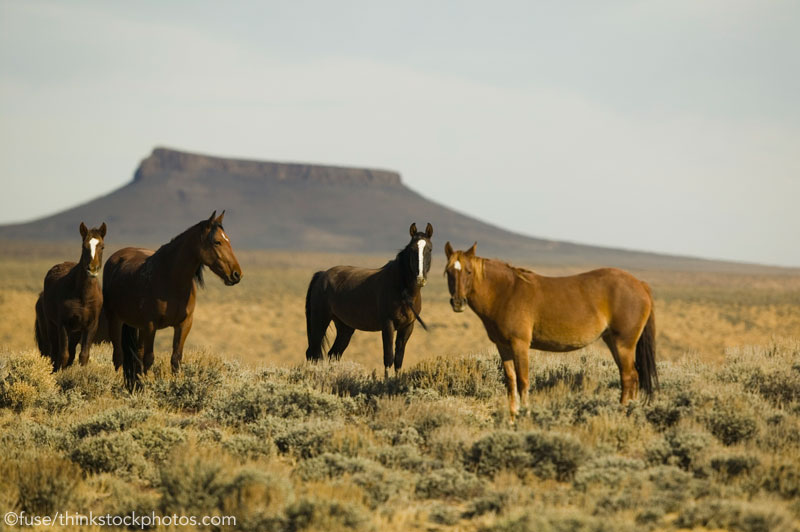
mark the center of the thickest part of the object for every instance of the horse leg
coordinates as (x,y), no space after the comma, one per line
(521,351)
(147,337)
(62,352)
(343,335)
(388,356)
(400,346)
(86,342)
(115,333)
(625,357)
(74,339)
(507,356)
(178,339)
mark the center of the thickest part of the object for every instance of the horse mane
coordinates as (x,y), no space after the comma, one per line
(169,246)
(398,259)
(516,270)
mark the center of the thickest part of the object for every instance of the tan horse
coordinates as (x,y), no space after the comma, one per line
(521,310)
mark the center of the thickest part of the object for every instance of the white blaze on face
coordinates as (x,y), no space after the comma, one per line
(93,245)
(421,246)
(457,266)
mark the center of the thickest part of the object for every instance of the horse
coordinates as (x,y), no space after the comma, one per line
(521,309)
(388,299)
(146,290)
(71,302)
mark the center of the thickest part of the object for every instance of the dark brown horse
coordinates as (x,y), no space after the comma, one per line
(148,290)
(388,299)
(522,310)
(68,308)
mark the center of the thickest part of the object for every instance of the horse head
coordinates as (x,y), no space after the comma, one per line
(92,248)
(216,251)
(419,257)
(460,270)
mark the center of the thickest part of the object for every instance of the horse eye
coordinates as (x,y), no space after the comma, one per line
(217,243)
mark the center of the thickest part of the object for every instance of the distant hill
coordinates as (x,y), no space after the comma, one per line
(305,207)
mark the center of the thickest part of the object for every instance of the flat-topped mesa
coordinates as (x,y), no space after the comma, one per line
(164,161)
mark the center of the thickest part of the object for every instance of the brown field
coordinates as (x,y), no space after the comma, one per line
(262,320)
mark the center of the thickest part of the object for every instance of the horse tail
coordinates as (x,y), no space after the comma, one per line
(39,329)
(131,365)
(315,329)
(646,357)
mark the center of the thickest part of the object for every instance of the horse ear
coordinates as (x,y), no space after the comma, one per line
(448,249)
(429,230)
(213,215)
(103,230)
(413,229)
(84,230)
(221,216)
(471,251)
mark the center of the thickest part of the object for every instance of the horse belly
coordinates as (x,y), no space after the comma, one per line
(561,336)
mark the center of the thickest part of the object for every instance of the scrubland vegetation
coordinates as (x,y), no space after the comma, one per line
(249,429)
(333,447)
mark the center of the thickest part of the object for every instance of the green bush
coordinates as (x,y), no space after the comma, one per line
(247,447)
(193,388)
(784,479)
(158,443)
(114,420)
(308,440)
(447,483)
(666,411)
(733,465)
(681,448)
(734,515)
(89,382)
(115,452)
(312,513)
(46,483)
(731,422)
(477,376)
(547,455)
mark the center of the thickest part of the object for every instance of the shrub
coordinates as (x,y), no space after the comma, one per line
(246,447)
(444,515)
(158,443)
(377,483)
(606,471)
(46,483)
(548,455)
(734,465)
(115,452)
(115,420)
(477,376)
(193,388)
(312,513)
(254,401)
(492,502)
(89,382)
(734,515)
(784,479)
(666,412)
(731,422)
(548,377)
(26,379)
(194,482)
(677,447)
(449,482)
(308,439)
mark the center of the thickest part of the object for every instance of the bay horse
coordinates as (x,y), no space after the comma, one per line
(388,299)
(71,302)
(521,310)
(148,290)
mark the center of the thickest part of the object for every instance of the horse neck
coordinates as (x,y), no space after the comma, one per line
(406,279)
(179,259)
(493,285)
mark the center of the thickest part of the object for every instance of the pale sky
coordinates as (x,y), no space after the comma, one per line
(669,126)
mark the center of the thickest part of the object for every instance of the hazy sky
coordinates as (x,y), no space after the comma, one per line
(669,126)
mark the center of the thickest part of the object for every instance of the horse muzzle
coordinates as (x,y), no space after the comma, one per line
(421,281)
(93,273)
(233,278)
(458,304)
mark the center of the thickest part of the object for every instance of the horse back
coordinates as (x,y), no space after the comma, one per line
(356,296)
